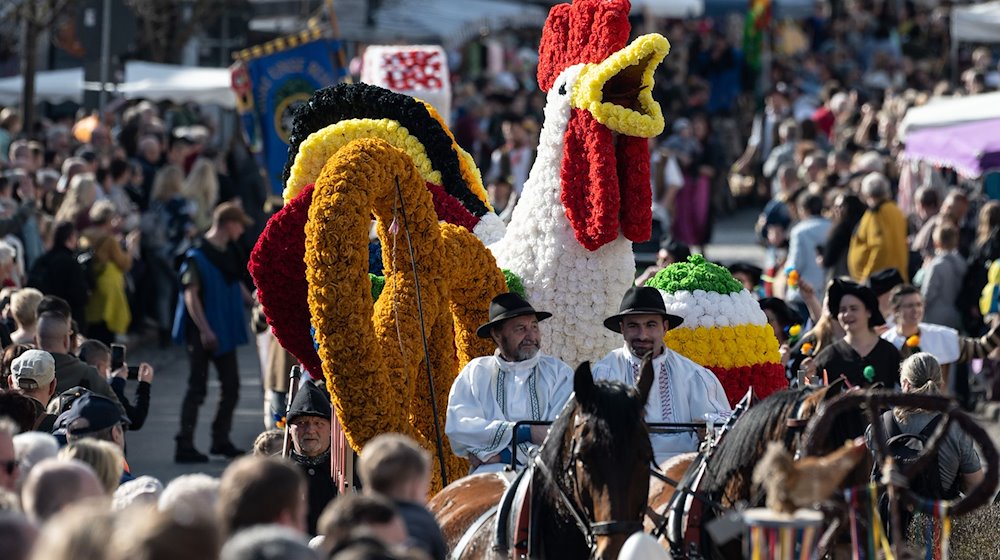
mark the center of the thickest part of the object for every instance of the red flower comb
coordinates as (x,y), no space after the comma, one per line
(584,31)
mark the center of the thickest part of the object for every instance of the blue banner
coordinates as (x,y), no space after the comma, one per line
(280,81)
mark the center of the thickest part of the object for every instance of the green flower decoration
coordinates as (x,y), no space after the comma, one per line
(695,274)
(514,283)
(378,284)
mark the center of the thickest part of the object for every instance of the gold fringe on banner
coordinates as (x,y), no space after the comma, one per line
(279,44)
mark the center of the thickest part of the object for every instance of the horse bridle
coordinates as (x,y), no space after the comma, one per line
(590,529)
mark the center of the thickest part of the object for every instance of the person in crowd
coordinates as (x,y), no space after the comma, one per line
(503,198)
(912,334)
(9,469)
(201,187)
(394,466)
(363,515)
(261,490)
(985,252)
(927,204)
(880,240)
(749,276)
(53,336)
(882,283)
(954,209)
(861,357)
(117,191)
(267,542)
(59,273)
(108,314)
(309,421)
(33,448)
(54,484)
(805,240)
(190,494)
(34,374)
(94,417)
(18,407)
(140,491)
(9,277)
(958,463)
(158,535)
(847,212)
(17,535)
(671,251)
(97,354)
(269,443)
(78,532)
(211,322)
(514,158)
(940,280)
(694,392)
(780,316)
(102,456)
(80,197)
(692,225)
(10,353)
(24,308)
(518,382)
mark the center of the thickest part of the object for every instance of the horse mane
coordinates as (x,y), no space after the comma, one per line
(612,409)
(745,443)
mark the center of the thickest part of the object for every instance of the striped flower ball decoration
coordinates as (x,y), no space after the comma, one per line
(724,328)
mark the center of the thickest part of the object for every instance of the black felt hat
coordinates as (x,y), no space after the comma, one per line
(884,281)
(840,288)
(310,401)
(641,300)
(507,306)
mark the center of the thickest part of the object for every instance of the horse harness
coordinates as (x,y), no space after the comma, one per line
(515,530)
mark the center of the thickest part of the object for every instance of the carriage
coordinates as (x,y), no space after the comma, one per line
(707,504)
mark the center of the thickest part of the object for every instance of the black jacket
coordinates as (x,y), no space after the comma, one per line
(321,488)
(58,273)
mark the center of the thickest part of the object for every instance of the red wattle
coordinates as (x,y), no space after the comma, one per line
(636,194)
(589,174)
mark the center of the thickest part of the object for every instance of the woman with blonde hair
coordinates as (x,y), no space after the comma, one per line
(958,463)
(80,196)
(107,310)
(24,309)
(202,188)
(103,456)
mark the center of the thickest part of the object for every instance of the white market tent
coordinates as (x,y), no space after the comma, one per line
(142,80)
(979,23)
(950,111)
(54,86)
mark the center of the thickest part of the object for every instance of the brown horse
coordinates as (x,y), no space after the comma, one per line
(726,477)
(588,485)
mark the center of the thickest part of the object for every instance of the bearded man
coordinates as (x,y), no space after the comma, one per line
(518,382)
(309,424)
(682,390)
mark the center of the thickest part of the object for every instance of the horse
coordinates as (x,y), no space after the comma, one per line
(586,490)
(722,478)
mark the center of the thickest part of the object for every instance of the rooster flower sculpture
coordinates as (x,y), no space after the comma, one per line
(588,194)
(358,151)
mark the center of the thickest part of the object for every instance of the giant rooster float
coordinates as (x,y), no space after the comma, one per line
(358,151)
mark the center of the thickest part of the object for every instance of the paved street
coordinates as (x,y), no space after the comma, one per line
(150,451)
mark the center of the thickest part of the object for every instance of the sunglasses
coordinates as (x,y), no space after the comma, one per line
(9,466)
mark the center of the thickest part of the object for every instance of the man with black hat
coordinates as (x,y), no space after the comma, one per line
(683,391)
(518,382)
(882,283)
(309,426)
(97,417)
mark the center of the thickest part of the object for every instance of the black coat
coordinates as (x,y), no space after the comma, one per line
(58,273)
(321,487)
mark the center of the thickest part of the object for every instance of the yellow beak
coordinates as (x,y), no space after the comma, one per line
(618,90)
